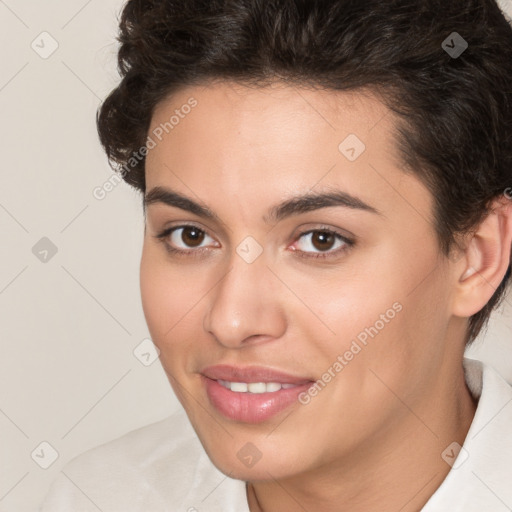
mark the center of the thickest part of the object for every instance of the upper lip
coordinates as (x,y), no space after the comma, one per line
(251,374)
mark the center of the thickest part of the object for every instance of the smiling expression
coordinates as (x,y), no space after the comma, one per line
(273,239)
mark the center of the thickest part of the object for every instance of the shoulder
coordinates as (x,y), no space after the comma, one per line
(158,467)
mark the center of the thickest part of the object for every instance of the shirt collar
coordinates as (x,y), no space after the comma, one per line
(480,478)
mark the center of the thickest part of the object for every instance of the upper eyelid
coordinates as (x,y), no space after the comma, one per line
(329,230)
(189,224)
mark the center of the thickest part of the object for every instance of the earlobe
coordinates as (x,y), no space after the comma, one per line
(486,260)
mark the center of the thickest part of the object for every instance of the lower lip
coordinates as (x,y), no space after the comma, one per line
(251,407)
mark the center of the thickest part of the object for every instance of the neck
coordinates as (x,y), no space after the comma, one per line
(399,469)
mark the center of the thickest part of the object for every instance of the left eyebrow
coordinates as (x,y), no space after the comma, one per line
(293,206)
(315,201)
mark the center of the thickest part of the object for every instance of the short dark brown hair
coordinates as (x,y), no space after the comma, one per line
(455,110)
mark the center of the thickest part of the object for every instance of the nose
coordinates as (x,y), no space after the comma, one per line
(244,307)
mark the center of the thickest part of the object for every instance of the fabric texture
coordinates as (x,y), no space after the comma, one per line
(163,467)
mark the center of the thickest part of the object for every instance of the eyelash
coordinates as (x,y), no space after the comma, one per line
(303,254)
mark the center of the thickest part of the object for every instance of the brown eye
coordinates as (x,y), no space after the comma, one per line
(323,240)
(192,236)
(188,237)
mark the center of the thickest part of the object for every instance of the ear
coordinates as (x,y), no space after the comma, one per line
(485,260)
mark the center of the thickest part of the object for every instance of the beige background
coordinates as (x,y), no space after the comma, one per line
(69,325)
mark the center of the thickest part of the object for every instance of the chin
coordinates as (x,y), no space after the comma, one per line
(242,460)
(261,471)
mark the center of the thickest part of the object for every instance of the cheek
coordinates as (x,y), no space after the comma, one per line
(380,319)
(370,331)
(156,301)
(171,301)
(165,310)
(398,342)
(347,305)
(164,294)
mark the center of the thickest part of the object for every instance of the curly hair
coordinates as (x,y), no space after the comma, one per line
(454,110)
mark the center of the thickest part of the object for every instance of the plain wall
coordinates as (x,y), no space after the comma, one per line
(69,325)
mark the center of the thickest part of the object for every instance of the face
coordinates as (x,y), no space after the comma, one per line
(286,250)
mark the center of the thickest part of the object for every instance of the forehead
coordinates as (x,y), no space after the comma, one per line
(261,112)
(269,142)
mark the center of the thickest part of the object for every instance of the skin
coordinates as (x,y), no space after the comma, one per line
(372,439)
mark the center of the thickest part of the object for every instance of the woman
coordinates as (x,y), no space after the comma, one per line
(328,225)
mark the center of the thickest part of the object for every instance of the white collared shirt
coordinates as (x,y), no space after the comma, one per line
(163,467)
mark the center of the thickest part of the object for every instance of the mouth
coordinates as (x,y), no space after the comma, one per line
(255,387)
(251,394)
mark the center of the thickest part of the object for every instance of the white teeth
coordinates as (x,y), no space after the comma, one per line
(254,387)
(257,387)
(239,387)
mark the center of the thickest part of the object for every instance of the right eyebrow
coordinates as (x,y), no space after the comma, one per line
(171,198)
